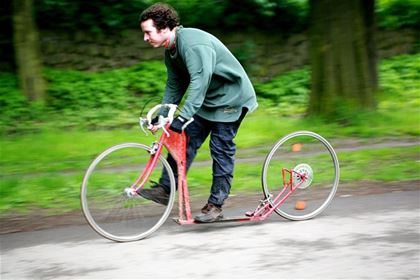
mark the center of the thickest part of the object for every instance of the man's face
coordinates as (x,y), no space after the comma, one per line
(156,38)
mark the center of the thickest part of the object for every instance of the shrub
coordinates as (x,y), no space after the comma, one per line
(289,92)
(110,99)
(396,14)
(81,99)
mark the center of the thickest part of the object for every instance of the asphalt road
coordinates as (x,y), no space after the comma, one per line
(357,237)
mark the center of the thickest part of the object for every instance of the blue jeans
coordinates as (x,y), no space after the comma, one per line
(222,148)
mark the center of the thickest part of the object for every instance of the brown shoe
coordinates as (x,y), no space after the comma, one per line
(209,213)
(156,194)
(206,208)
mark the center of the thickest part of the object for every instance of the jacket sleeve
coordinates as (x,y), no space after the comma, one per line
(174,91)
(200,62)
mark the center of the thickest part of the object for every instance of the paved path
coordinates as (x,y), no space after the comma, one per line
(365,237)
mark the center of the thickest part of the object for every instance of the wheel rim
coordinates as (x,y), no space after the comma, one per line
(105,204)
(314,155)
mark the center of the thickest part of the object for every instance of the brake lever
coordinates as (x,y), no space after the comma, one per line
(187,123)
(142,122)
(165,130)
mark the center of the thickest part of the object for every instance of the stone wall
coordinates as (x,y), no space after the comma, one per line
(263,55)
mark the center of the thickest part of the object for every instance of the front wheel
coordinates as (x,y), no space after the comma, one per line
(107,203)
(305,163)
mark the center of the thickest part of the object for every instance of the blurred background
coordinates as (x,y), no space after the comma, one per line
(74,76)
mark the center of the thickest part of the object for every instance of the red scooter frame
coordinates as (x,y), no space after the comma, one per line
(291,158)
(176,144)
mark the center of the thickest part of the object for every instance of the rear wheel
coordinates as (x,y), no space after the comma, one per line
(306,161)
(110,206)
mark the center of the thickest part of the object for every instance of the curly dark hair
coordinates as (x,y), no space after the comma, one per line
(163,15)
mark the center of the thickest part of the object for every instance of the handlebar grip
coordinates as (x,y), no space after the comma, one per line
(171,112)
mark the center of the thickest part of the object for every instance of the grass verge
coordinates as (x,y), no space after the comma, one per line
(58,192)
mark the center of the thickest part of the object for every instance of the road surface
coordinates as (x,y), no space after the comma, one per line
(373,236)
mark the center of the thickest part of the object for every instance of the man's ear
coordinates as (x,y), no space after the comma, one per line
(164,30)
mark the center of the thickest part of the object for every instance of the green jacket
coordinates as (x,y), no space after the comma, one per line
(218,87)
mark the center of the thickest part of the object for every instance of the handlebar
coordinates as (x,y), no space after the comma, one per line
(171,113)
(163,121)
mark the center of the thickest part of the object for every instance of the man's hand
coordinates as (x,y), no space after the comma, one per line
(153,126)
(177,124)
(155,121)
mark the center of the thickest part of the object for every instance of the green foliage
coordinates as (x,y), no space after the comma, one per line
(283,16)
(109,99)
(395,14)
(15,108)
(98,16)
(94,16)
(81,99)
(31,159)
(400,78)
(246,54)
(104,16)
(399,81)
(199,13)
(289,93)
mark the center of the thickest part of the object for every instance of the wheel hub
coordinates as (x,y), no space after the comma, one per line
(129,192)
(302,175)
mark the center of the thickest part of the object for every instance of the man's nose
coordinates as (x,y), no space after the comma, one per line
(145,38)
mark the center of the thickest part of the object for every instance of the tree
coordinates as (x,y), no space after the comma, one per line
(27,50)
(342,56)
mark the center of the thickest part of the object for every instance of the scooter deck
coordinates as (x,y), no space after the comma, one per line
(222,220)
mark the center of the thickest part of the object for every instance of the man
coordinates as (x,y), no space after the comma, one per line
(219,95)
